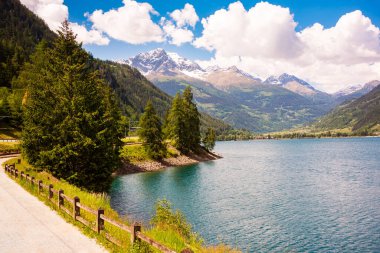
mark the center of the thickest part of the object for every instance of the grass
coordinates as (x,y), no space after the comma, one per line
(131,140)
(135,153)
(9,147)
(168,233)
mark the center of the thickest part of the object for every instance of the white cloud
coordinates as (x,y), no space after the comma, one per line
(177,30)
(263,41)
(186,16)
(265,30)
(131,23)
(177,36)
(54,12)
(89,36)
(354,39)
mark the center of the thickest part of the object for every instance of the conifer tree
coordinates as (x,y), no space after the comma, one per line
(209,139)
(192,121)
(70,116)
(175,125)
(150,133)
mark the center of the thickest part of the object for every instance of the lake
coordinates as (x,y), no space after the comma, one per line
(309,195)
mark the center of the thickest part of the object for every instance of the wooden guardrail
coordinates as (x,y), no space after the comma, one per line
(49,192)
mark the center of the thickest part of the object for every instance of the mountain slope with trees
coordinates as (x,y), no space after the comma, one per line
(21,31)
(362,114)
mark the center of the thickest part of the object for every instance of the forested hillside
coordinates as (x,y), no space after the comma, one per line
(362,114)
(21,31)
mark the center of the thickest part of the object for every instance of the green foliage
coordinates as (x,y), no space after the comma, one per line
(167,219)
(20,31)
(9,147)
(360,114)
(182,124)
(132,88)
(175,125)
(134,153)
(150,133)
(209,139)
(192,121)
(71,122)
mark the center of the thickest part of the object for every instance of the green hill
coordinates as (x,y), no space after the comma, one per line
(362,114)
(21,31)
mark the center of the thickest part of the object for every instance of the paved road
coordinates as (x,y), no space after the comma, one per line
(28,225)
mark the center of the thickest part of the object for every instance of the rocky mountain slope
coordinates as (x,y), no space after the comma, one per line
(239,98)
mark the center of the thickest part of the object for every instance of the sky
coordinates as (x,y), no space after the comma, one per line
(330,44)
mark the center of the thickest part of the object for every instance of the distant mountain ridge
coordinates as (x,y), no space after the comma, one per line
(237,97)
(360,115)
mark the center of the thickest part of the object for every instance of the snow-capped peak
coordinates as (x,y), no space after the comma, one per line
(158,60)
(286,78)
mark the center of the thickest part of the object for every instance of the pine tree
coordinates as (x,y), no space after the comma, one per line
(150,133)
(192,121)
(71,121)
(175,125)
(209,139)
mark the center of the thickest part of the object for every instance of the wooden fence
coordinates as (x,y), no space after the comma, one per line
(60,197)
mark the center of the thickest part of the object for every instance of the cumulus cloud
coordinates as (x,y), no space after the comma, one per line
(177,29)
(262,40)
(54,12)
(186,16)
(177,36)
(89,36)
(265,30)
(131,23)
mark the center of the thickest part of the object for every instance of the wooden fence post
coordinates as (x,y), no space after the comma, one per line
(39,186)
(60,199)
(16,173)
(99,221)
(32,181)
(136,227)
(19,161)
(50,191)
(76,208)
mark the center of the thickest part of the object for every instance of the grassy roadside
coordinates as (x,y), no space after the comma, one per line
(9,147)
(169,234)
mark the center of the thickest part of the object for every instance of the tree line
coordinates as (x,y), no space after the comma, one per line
(72,123)
(181,128)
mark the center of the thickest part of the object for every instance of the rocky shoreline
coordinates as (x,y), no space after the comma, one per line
(181,160)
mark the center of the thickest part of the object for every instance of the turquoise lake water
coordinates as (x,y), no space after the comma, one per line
(311,195)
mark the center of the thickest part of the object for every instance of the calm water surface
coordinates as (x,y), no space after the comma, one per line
(272,196)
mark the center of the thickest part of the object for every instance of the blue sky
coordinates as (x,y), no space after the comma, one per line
(330,43)
(306,13)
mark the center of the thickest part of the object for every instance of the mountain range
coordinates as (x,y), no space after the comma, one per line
(359,115)
(20,32)
(239,98)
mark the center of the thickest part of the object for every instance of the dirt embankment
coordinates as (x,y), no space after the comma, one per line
(181,160)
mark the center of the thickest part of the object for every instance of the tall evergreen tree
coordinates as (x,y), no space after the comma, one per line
(175,124)
(192,121)
(150,132)
(70,116)
(209,139)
